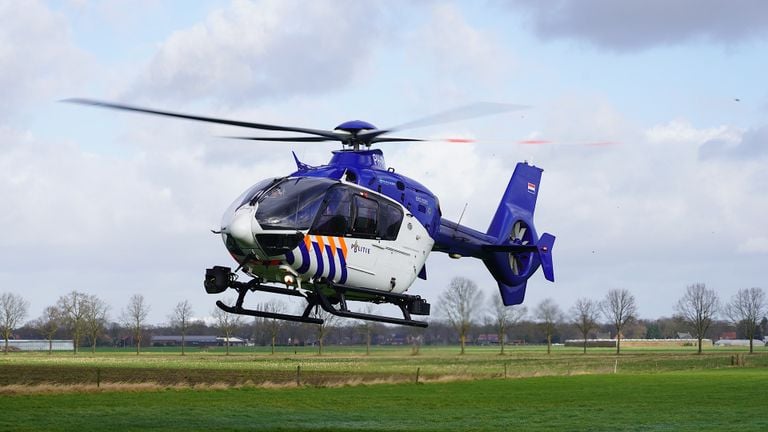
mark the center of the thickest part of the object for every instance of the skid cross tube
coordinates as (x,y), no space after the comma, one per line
(399,300)
(255,285)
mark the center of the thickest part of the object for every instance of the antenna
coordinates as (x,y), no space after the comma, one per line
(461,216)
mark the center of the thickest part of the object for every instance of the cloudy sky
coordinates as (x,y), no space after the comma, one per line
(116,204)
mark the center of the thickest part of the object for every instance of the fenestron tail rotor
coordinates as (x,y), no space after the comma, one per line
(520,235)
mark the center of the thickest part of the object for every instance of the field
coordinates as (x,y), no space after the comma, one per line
(671,389)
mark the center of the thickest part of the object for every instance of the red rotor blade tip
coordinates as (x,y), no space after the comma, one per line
(460,140)
(533,142)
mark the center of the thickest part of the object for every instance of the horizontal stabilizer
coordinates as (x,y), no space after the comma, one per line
(512,295)
(509,248)
(546,242)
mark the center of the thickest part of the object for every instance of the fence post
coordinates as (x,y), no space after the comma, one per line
(418,371)
(298,375)
(98,377)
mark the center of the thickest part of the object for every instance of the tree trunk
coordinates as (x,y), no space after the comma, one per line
(462,337)
(50,346)
(183,340)
(751,338)
(700,344)
(618,343)
(368,343)
(320,347)
(501,341)
(549,343)
(6,345)
(585,344)
(273,344)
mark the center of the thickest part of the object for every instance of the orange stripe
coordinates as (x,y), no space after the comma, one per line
(343,247)
(308,243)
(320,243)
(333,246)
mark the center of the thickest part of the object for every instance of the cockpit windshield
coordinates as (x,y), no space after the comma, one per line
(291,203)
(245,198)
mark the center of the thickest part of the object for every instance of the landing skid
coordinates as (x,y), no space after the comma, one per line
(218,279)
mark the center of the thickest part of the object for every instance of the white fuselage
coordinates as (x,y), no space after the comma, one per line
(351,261)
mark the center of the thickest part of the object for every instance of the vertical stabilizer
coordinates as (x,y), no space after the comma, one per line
(518,202)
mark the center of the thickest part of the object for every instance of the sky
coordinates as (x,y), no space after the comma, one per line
(116,204)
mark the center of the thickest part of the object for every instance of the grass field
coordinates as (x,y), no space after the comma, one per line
(671,389)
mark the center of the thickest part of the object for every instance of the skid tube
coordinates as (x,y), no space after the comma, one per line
(218,279)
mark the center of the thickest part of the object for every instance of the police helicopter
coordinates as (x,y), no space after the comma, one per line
(354,230)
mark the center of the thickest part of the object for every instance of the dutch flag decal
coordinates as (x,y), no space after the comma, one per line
(531,188)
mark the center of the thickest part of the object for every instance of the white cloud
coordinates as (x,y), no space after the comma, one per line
(250,51)
(681,131)
(455,48)
(37,55)
(754,245)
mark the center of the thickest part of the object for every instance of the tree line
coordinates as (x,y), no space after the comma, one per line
(464,315)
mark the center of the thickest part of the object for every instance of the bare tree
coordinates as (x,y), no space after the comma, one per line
(585,314)
(366,327)
(95,317)
(48,324)
(274,325)
(13,309)
(549,313)
(460,302)
(72,308)
(619,308)
(747,307)
(329,320)
(698,308)
(503,317)
(135,317)
(227,323)
(182,314)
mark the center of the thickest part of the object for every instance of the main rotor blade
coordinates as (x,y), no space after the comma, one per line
(283,139)
(479,109)
(394,139)
(323,133)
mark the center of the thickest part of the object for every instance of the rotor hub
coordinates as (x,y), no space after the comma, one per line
(355,126)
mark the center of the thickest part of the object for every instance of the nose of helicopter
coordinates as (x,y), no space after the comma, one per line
(239,228)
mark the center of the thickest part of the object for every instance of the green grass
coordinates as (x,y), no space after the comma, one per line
(724,399)
(339,365)
(654,389)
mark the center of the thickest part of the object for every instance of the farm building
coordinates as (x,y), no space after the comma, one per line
(738,342)
(198,341)
(41,345)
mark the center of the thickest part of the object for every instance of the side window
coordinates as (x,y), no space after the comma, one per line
(390,219)
(336,214)
(366,217)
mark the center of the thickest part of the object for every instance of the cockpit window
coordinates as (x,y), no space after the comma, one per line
(390,219)
(245,198)
(292,203)
(336,214)
(366,217)
(346,211)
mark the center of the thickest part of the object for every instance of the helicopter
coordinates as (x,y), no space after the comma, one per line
(354,230)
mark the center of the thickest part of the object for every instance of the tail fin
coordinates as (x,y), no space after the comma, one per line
(519,200)
(518,252)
